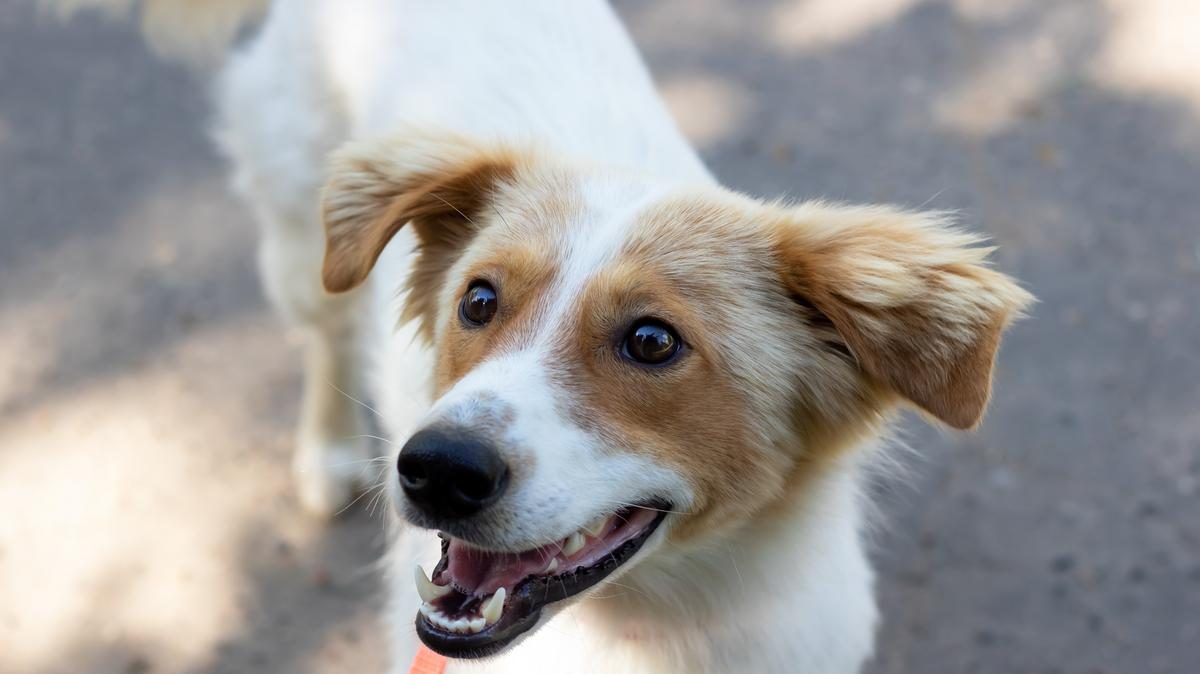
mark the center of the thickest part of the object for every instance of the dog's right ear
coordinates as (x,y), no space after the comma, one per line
(438,182)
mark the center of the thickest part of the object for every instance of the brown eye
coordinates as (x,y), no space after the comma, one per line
(479,304)
(651,342)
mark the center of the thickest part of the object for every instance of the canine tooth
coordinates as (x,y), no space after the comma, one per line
(477,625)
(552,566)
(426,588)
(596,526)
(573,544)
(494,607)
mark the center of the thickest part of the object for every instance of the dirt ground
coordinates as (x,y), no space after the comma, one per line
(147,394)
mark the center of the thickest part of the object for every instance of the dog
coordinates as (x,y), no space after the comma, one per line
(633,413)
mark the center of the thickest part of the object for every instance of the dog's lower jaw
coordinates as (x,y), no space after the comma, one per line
(749,602)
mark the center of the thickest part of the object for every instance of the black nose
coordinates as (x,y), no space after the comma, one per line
(451,475)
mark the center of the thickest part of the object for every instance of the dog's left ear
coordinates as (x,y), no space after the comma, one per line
(911,296)
(437,181)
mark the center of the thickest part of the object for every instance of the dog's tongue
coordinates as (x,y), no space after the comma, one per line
(480,572)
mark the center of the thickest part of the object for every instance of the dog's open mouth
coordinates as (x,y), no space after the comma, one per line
(479,601)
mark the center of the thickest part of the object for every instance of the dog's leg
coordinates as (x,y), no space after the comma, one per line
(277,124)
(333,453)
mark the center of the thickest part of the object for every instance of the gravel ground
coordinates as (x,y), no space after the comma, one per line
(147,394)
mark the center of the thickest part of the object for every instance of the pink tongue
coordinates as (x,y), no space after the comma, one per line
(480,572)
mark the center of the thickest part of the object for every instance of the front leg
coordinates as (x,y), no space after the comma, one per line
(333,459)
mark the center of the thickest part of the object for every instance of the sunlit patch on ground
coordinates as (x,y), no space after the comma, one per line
(708,108)
(147,396)
(1153,48)
(812,24)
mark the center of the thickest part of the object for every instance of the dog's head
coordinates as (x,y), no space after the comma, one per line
(621,361)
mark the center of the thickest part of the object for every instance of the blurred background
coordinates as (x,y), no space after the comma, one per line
(147,395)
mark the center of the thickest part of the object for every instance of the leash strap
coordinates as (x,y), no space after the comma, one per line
(427,662)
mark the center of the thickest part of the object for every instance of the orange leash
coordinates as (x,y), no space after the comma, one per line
(427,662)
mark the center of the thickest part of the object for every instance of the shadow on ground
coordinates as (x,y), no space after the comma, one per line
(147,397)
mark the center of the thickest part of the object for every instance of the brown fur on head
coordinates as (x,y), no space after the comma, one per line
(911,295)
(803,325)
(440,183)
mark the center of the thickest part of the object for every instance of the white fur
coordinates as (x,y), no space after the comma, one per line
(790,595)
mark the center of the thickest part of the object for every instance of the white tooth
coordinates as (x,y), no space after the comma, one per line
(596,527)
(494,607)
(426,588)
(552,566)
(477,625)
(459,625)
(574,543)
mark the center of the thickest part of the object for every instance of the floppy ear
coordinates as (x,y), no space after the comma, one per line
(438,182)
(911,296)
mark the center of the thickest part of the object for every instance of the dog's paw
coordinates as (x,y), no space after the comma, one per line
(330,475)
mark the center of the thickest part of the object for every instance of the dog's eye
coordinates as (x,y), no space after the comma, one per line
(651,342)
(479,304)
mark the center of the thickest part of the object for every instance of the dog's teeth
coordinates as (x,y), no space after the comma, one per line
(573,544)
(426,588)
(494,607)
(435,616)
(596,527)
(552,566)
(477,625)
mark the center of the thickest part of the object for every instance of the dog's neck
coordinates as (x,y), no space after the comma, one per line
(791,592)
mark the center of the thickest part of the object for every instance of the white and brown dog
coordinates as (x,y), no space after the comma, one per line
(632,409)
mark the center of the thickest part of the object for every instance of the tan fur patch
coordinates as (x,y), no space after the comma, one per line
(692,415)
(766,395)
(519,275)
(756,395)
(911,295)
(438,182)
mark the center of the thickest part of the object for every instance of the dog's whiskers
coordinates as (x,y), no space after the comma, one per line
(624,504)
(372,437)
(364,405)
(382,461)
(351,503)
(435,195)
(626,587)
(380,493)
